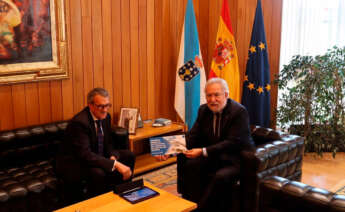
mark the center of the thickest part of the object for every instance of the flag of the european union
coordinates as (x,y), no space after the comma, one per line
(256,86)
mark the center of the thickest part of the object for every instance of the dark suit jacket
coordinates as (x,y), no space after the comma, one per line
(79,150)
(234,133)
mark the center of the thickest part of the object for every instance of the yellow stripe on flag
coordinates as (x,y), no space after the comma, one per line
(225,60)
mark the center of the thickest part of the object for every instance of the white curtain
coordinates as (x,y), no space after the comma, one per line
(310,27)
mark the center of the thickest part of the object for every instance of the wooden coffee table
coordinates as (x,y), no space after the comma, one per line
(111,202)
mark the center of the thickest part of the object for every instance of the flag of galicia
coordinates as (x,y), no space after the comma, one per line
(256,86)
(190,74)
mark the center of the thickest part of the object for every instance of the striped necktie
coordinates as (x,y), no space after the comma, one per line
(100,137)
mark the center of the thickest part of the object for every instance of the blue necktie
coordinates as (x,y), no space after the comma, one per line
(100,137)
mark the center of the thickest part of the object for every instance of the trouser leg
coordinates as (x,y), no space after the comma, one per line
(191,177)
(218,191)
(126,157)
(96,181)
(100,181)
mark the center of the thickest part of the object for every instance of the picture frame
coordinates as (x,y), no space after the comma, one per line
(34,47)
(129,119)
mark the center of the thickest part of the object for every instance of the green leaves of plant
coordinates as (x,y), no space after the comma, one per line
(313,95)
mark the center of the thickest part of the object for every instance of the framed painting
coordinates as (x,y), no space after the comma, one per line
(129,119)
(33,43)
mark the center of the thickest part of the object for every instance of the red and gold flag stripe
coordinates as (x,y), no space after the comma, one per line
(225,60)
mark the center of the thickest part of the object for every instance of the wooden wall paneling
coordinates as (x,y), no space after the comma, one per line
(44,99)
(143,59)
(275,50)
(116,16)
(67,84)
(97,43)
(87,46)
(203,25)
(180,15)
(131,49)
(158,69)
(168,68)
(135,69)
(175,41)
(18,95)
(126,53)
(240,30)
(177,18)
(6,106)
(233,10)
(107,49)
(151,98)
(56,100)
(32,103)
(77,56)
(181,10)
(171,62)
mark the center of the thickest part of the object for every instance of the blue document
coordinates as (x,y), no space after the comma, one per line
(168,145)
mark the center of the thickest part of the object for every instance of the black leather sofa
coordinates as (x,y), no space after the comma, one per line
(28,178)
(276,153)
(282,195)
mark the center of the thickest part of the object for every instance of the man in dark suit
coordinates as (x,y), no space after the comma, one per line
(212,162)
(89,148)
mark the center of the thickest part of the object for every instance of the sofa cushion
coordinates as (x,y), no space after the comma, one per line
(282,195)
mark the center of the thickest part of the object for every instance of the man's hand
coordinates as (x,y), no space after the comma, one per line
(162,157)
(124,170)
(193,153)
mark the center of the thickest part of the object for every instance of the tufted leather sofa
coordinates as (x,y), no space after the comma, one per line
(28,179)
(275,153)
(282,195)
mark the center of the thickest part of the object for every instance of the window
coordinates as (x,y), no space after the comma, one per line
(310,27)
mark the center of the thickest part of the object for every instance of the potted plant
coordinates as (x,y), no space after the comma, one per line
(312,103)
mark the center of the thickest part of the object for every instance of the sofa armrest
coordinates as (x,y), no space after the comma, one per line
(281,155)
(120,138)
(277,154)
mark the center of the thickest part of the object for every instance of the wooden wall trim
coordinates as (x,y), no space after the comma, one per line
(130,47)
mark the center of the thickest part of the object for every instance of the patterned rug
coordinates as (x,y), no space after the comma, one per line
(164,178)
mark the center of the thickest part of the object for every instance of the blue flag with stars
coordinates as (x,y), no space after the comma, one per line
(256,87)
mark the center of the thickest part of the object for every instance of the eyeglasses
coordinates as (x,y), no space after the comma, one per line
(102,107)
(217,95)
